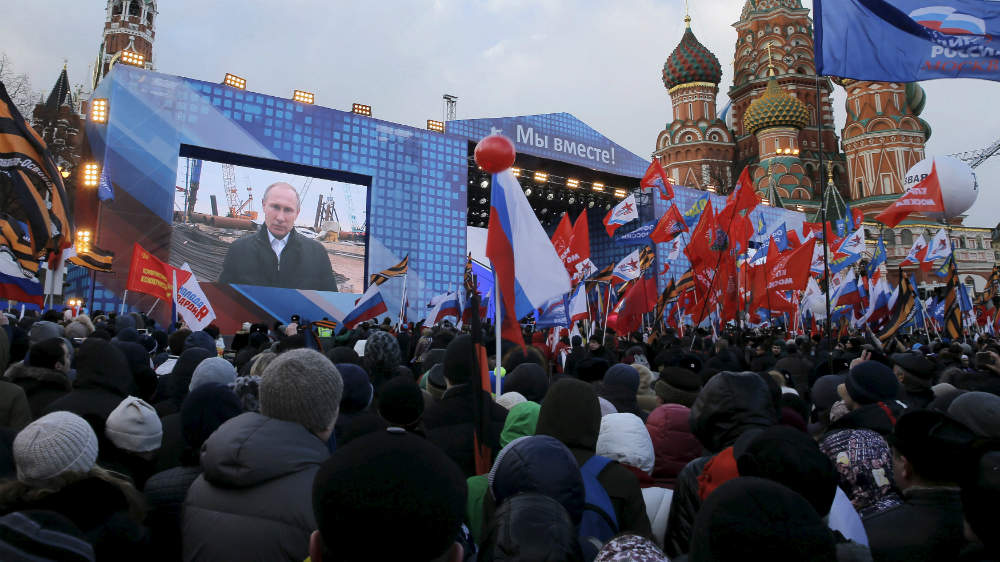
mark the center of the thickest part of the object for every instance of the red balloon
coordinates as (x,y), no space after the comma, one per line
(495,153)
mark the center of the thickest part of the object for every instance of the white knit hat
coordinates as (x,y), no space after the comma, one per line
(53,444)
(134,426)
(510,399)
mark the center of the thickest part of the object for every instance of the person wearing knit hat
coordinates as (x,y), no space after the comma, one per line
(42,536)
(529,380)
(592,369)
(677,386)
(980,412)
(357,396)
(416,482)
(401,403)
(752,518)
(213,369)
(621,388)
(869,394)
(253,501)
(134,427)
(510,399)
(53,445)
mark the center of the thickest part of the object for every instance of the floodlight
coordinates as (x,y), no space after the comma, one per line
(99,111)
(573,183)
(132,58)
(597,186)
(436,126)
(91,173)
(235,81)
(620,193)
(304,97)
(362,109)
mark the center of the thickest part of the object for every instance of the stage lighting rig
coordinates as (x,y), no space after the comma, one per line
(596,186)
(572,183)
(620,193)
(132,58)
(304,97)
(99,111)
(91,174)
(436,126)
(235,81)
(362,109)
(541,177)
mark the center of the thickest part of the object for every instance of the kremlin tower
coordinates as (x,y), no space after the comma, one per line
(696,148)
(127,27)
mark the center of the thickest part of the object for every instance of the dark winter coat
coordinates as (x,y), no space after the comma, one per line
(172,445)
(165,493)
(42,386)
(535,528)
(728,406)
(305,263)
(450,426)
(254,499)
(179,380)
(799,368)
(674,444)
(926,526)
(871,416)
(763,363)
(101,510)
(624,400)
(723,361)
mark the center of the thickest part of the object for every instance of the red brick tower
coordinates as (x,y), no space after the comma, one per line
(696,147)
(128,27)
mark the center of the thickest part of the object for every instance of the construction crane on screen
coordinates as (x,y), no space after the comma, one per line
(237,210)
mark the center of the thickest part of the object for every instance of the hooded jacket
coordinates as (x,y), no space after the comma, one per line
(533,526)
(102,381)
(624,438)
(926,526)
(674,444)
(179,380)
(254,499)
(871,416)
(42,386)
(572,414)
(450,426)
(728,406)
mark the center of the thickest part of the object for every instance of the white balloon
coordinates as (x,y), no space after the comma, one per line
(959,188)
(818,306)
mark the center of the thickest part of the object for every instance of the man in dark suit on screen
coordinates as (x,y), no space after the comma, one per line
(277,256)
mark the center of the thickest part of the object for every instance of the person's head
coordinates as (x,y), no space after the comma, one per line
(571,413)
(358,390)
(401,402)
(213,369)
(528,379)
(521,421)
(539,464)
(303,387)
(776,349)
(792,458)
(134,427)
(627,547)
(175,341)
(52,445)
(534,526)
(979,411)
(750,518)
(261,362)
(624,438)
(927,448)
(980,497)
(869,382)
(592,369)
(728,406)
(593,343)
(863,462)
(457,365)
(281,208)
(913,370)
(416,482)
(204,410)
(52,353)
(623,376)
(517,356)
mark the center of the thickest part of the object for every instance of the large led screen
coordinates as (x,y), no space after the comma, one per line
(242,225)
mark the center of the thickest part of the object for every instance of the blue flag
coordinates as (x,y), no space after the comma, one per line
(637,236)
(878,258)
(907,40)
(692,215)
(761,225)
(104,189)
(780,236)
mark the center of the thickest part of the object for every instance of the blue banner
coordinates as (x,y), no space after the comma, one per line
(637,236)
(780,238)
(907,40)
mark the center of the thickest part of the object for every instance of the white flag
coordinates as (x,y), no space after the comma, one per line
(940,247)
(192,303)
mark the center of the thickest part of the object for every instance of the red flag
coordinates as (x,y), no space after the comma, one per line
(699,249)
(670,225)
(790,271)
(579,245)
(923,197)
(743,197)
(561,239)
(656,177)
(793,239)
(639,300)
(153,277)
(815,227)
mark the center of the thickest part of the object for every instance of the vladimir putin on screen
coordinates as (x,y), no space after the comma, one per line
(277,256)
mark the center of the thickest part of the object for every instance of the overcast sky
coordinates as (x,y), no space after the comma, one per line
(600,61)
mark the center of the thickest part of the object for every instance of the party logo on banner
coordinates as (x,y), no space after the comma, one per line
(153,277)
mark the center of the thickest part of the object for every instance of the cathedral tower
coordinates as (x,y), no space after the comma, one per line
(696,147)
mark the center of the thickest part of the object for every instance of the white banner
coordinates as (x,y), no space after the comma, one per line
(192,304)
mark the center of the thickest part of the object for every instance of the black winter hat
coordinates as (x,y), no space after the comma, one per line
(458,360)
(681,379)
(357,387)
(624,376)
(592,369)
(529,380)
(871,382)
(401,402)
(205,409)
(933,442)
(792,458)
(915,364)
(388,480)
(690,362)
(572,414)
(751,518)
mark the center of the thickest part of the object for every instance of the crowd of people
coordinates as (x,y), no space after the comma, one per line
(121,441)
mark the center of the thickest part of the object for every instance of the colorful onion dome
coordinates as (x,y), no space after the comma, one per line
(775,109)
(691,62)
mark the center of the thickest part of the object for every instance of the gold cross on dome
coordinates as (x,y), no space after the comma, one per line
(769,65)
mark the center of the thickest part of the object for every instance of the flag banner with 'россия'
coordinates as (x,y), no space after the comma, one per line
(907,40)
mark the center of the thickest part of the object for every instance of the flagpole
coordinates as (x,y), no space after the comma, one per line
(124,297)
(497,321)
(822,210)
(402,303)
(607,311)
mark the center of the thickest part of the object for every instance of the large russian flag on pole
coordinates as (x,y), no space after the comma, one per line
(527,266)
(369,306)
(15,286)
(447,306)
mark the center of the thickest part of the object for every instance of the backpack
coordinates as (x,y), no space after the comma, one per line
(599,519)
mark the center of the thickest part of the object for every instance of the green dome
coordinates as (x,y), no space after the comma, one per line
(691,62)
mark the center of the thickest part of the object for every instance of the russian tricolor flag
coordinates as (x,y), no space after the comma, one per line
(527,266)
(14,286)
(449,305)
(369,306)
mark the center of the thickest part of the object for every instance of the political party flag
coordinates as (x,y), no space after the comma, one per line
(397,270)
(106,191)
(656,177)
(743,197)
(369,306)
(579,246)
(674,249)
(627,269)
(622,213)
(522,256)
(940,246)
(925,196)
(692,215)
(853,244)
(553,313)
(790,271)
(562,236)
(917,252)
(23,157)
(780,238)
(192,302)
(668,226)
(640,235)
(761,224)
(16,285)
(151,276)
(878,257)
(906,40)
